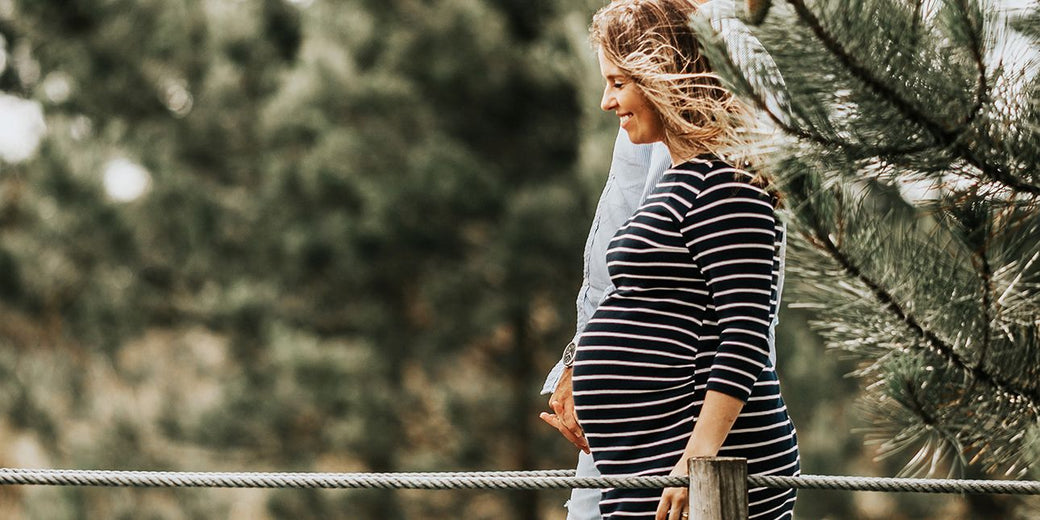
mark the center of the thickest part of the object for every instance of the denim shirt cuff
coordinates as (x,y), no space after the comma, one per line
(553,378)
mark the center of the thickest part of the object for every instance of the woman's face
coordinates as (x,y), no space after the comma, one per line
(638,118)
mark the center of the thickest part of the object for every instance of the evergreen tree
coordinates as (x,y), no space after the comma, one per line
(357,250)
(908,161)
(349,255)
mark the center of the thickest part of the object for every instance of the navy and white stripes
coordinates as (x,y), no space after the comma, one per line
(696,270)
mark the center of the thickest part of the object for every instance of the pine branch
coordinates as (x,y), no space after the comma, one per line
(911,399)
(819,139)
(738,81)
(915,29)
(945,137)
(982,84)
(1028,24)
(821,240)
(985,270)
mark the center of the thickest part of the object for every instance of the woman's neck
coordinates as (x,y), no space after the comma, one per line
(685,156)
(682,151)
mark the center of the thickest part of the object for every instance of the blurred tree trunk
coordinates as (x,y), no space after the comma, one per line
(522,373)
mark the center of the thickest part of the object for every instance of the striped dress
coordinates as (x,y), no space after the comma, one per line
(696,269)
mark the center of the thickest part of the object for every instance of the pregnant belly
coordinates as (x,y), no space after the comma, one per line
(627,379)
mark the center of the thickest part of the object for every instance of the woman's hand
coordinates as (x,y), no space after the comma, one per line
(718,414)
(675,502)
(564,418)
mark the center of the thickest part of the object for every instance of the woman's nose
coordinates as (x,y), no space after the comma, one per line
(608,102)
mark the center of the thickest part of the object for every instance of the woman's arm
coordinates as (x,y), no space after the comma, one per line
(730,231)
(718,414)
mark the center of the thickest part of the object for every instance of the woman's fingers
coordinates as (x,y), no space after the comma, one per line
(674,503)
(554,420)
(569,421)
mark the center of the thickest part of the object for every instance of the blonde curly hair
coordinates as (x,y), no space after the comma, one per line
(652,42)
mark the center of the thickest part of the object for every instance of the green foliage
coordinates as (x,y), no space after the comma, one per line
(909,166)
(358,250)
(349,206)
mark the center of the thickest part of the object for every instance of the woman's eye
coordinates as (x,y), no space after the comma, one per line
(618,84)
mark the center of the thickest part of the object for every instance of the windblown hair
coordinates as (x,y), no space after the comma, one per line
(653,43)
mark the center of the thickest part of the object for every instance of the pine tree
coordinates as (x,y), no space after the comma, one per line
(907,157)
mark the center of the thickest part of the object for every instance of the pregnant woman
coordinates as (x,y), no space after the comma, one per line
(675,363)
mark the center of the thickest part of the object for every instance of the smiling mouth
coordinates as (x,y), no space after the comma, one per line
(625,118)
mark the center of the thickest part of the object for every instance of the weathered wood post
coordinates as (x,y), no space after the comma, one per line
(718,488)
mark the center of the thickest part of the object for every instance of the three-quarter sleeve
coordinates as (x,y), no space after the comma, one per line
(731,233)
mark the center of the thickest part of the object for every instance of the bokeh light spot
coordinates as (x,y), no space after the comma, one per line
(125,180)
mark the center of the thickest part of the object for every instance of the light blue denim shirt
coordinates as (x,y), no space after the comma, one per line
(634,171)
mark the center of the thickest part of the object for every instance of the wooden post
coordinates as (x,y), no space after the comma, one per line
(718,488)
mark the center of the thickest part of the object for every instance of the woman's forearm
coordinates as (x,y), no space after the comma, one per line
(716,419)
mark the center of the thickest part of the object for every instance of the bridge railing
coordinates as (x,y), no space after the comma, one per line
(718,486)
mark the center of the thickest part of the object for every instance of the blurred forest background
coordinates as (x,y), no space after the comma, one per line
(271,235)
